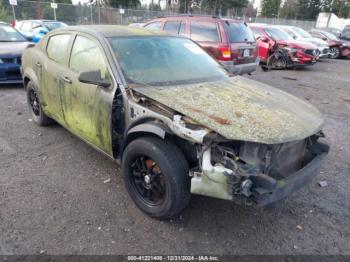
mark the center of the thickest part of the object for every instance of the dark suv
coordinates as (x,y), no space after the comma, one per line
(229,41)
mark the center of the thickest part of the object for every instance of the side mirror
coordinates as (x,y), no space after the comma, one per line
(294,37)
(324,38)
(42,32)
(94,78)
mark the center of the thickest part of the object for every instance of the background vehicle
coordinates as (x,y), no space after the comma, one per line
(338,48)
(345,34)
(300,53)
(12,44)
(230,42)
(36,29)
(176,120)
(299,34)
(332,30)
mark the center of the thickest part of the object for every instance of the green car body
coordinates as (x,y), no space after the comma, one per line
(242,140)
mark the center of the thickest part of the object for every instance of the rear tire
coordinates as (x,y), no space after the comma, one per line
(38,115)
(161,187)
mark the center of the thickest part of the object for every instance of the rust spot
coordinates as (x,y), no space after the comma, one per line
(220,120)
(238,114)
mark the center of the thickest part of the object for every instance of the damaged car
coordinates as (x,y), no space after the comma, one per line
(174,119)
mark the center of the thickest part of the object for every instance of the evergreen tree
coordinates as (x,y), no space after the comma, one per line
(270,8)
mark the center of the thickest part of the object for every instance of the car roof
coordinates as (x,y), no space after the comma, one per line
(38,20)
(111,30)
(196,17)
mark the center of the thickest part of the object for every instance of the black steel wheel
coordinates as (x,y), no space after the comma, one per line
(38,115)
(155,173)
(148,180)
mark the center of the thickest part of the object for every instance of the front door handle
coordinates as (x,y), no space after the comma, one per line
(38,64)
(66,79)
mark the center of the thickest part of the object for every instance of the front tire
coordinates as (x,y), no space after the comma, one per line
(38,115)
(155,173)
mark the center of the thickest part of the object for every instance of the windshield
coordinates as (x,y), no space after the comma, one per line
(160,60)
(239,32)
(330,36)
(9,34)
(278,34)
(301,32)
(53,25)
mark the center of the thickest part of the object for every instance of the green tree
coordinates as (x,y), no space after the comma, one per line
(309,9)
(5,13)
(270,8)
(341,8)
(289,9)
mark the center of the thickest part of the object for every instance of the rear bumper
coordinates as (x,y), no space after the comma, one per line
(294,182)
(240,69)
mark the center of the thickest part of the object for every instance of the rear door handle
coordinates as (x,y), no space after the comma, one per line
(38,64)
(66,79)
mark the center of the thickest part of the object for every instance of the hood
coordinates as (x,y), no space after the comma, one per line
(314,40)
(241,109)
(12,48)
(297,44)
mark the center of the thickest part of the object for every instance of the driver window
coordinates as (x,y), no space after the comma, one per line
(87,56)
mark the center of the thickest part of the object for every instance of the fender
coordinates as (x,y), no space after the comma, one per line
(149,127)
(29,73)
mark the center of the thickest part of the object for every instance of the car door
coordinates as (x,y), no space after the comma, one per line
(57,52)
(85,107)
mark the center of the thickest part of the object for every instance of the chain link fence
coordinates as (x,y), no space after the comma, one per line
(83,14)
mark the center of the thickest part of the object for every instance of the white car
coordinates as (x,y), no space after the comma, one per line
(299,34)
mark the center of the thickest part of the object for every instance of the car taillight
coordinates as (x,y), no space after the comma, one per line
(225,53)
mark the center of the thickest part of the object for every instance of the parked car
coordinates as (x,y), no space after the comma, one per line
(175,119)
(299,34)
(229,41)
(345,34)
(12,44)
(300,53)
(332,30)
(338,48)
(36,29)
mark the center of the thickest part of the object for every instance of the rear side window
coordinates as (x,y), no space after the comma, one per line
(87,56)
(153,26)
(57,47)
(239,32)
(172,27)
(204,31)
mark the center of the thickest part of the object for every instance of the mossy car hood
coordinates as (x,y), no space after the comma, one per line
(241,109)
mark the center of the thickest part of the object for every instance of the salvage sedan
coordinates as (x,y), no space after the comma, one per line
(173,117)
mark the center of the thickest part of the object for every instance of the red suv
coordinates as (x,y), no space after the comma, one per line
(230,42)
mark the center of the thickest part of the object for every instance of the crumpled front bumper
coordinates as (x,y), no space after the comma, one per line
(294,182)
(264,190)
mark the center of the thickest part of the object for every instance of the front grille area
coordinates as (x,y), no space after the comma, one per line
(11,60)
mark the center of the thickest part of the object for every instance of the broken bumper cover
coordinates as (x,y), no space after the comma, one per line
(214,180)
(294,182)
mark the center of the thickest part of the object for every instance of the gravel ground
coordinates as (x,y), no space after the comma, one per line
(53,198)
